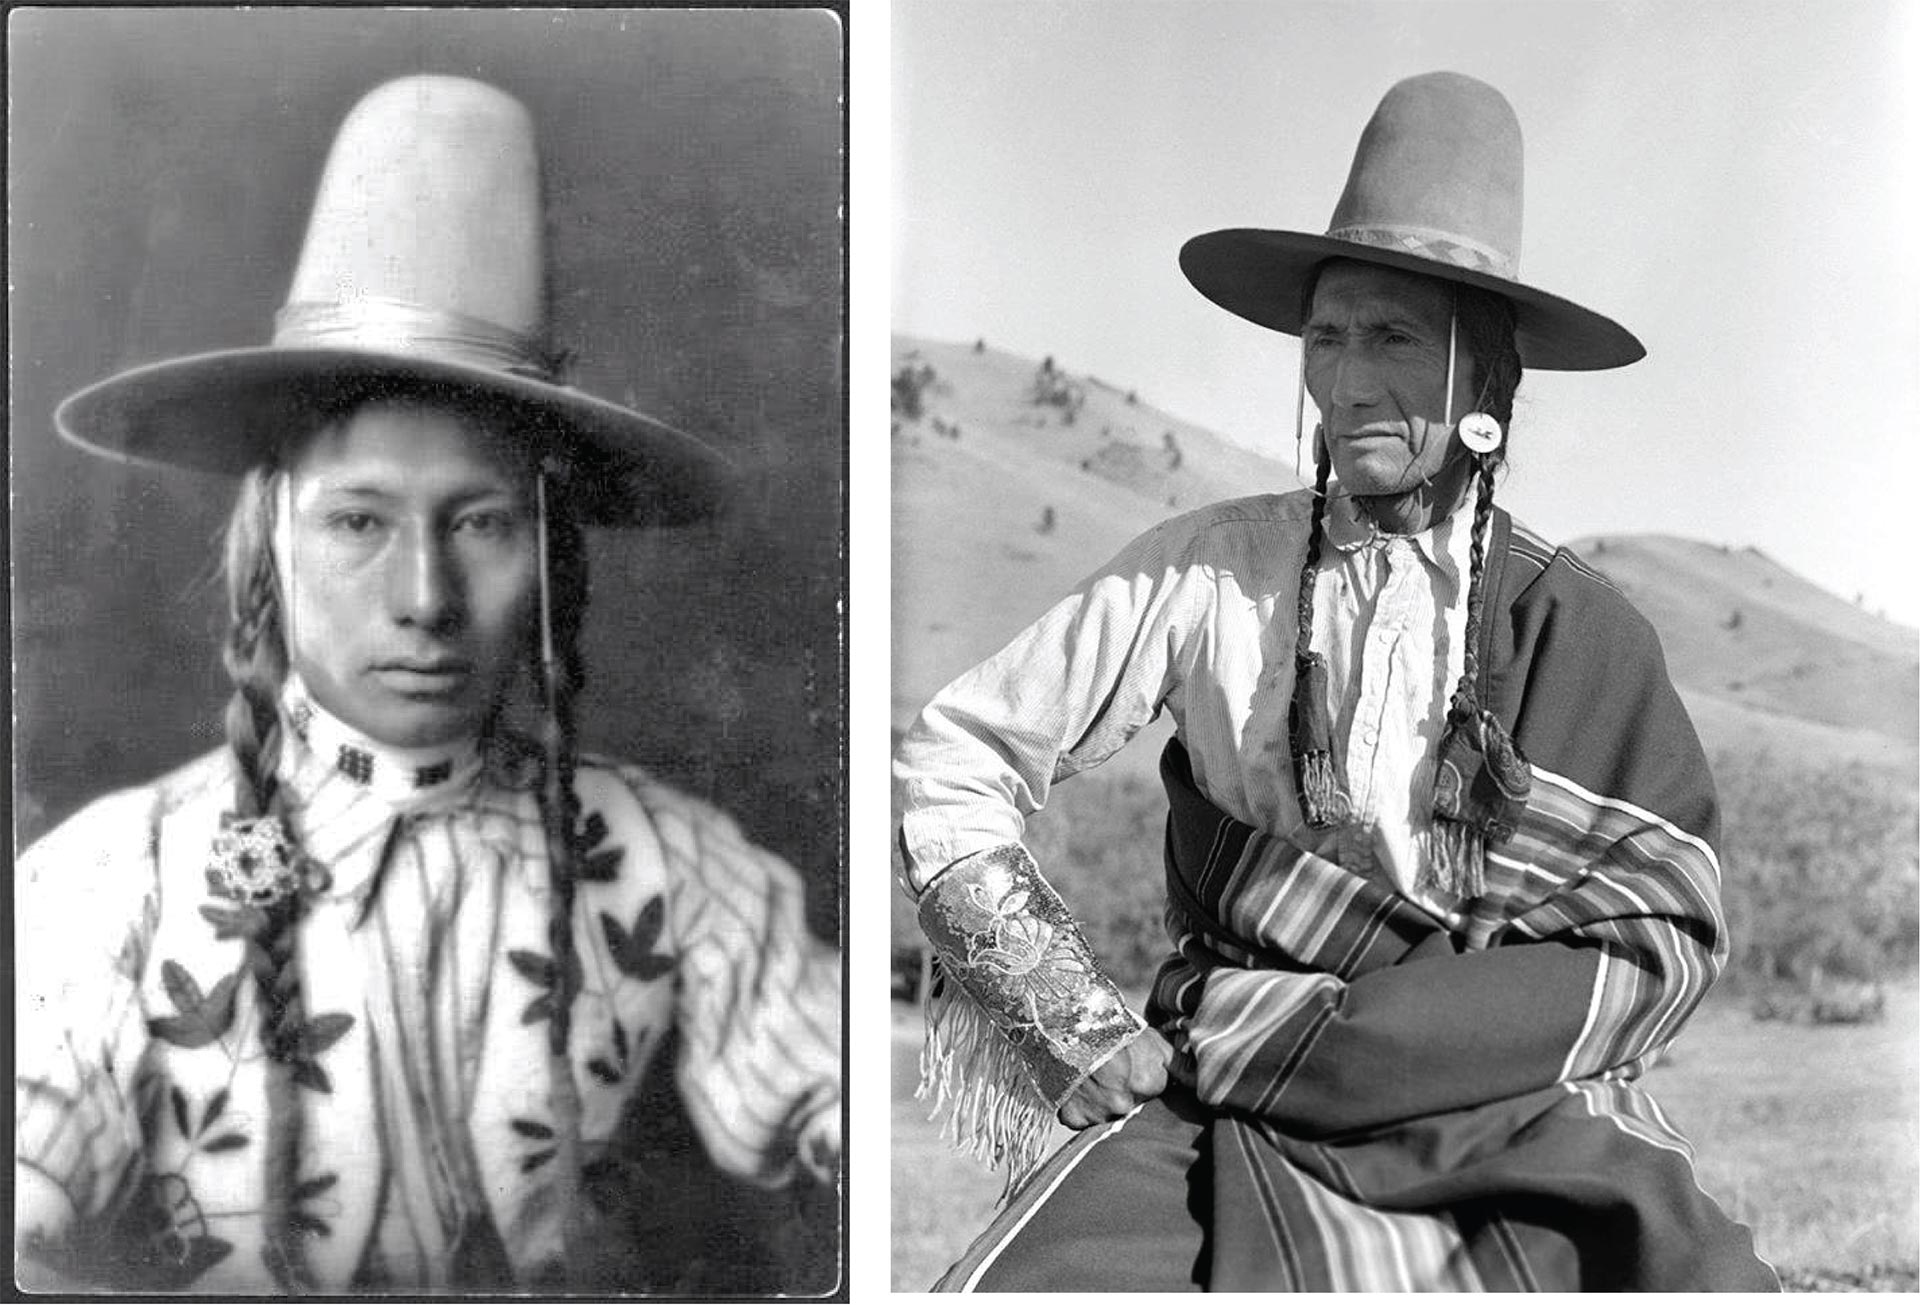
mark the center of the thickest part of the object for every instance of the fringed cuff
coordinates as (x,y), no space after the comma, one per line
(1026,1013)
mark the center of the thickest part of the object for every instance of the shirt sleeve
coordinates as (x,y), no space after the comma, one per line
(86,904)
(1062,697)
(759,1010)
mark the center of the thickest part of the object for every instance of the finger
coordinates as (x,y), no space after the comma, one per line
(1089,1106)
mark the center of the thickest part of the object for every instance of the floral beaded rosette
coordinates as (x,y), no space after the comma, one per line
(1027,1013)
(255,863)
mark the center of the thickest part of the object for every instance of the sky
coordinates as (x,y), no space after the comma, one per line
(1733,181)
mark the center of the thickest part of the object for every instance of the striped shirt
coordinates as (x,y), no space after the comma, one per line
(425,972)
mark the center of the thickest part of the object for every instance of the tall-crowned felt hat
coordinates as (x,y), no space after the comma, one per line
(1435,188)
(424,270)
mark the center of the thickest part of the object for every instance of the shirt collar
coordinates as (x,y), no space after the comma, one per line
(1444,546)
(399,777)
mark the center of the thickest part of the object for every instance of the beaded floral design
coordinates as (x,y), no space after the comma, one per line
(255,863)
(1029,953)
(1006,937)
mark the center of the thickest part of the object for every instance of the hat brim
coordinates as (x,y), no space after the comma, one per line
(225,411)
(1258,274)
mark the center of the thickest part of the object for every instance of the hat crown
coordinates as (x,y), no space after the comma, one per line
(426,235)
(424,265)
(1438,174)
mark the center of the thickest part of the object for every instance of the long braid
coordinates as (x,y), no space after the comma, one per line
(255,659)
(1487,321)
(563,676)
(1316,533)
(254,652)
(1481,779)
(1323,798)
(1467,691)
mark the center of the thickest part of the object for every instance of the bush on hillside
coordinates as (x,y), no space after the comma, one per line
(1099,844)
(1053,388)
(1819,869)
(910,384)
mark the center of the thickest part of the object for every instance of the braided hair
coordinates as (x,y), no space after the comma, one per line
(255,655)
(561,670)
(1486,321)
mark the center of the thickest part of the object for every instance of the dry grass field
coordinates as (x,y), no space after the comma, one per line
(1808,1134)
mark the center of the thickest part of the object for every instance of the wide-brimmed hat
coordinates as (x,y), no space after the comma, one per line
(1435,189)
(423,271)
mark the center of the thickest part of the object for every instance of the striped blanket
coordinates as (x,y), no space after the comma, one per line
(1476,1075)
(1395,1098)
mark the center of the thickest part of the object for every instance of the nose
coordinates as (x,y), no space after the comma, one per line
(1356,380)
(423,582)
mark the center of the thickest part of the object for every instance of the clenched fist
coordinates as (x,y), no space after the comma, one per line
(1135,1073)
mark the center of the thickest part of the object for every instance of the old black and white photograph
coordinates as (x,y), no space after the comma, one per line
(428,481)
(1405,690)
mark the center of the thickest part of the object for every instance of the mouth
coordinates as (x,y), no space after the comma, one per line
(424,677)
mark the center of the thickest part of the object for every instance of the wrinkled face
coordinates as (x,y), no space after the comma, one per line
(411,559)
(1375,344)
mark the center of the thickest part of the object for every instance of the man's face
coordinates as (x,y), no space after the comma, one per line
(412,565)
(1376,356)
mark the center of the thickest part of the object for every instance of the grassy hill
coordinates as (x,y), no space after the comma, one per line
(1003,501)
(1757,648)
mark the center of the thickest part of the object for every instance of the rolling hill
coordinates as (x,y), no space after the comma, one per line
(1002,503)
(1766,657)
(1013,478)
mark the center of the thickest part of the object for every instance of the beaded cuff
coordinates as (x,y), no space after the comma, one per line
(1026,1013)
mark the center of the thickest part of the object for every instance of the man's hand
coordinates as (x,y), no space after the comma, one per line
(1135,1073)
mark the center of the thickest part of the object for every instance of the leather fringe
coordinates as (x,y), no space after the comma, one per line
(967,1065)
(1323,799)
(1456,861)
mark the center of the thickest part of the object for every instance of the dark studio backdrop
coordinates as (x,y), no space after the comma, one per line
(162,164)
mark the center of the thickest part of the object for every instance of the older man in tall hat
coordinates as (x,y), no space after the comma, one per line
(357,1001)
(1441,878)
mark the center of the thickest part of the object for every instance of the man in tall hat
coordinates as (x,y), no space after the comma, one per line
(1440,867)
(358,1000)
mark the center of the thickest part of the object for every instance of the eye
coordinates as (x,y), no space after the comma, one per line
(487,523)
(1399,338)
(352,522)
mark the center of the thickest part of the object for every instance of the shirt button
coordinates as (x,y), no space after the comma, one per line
(1456,920)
